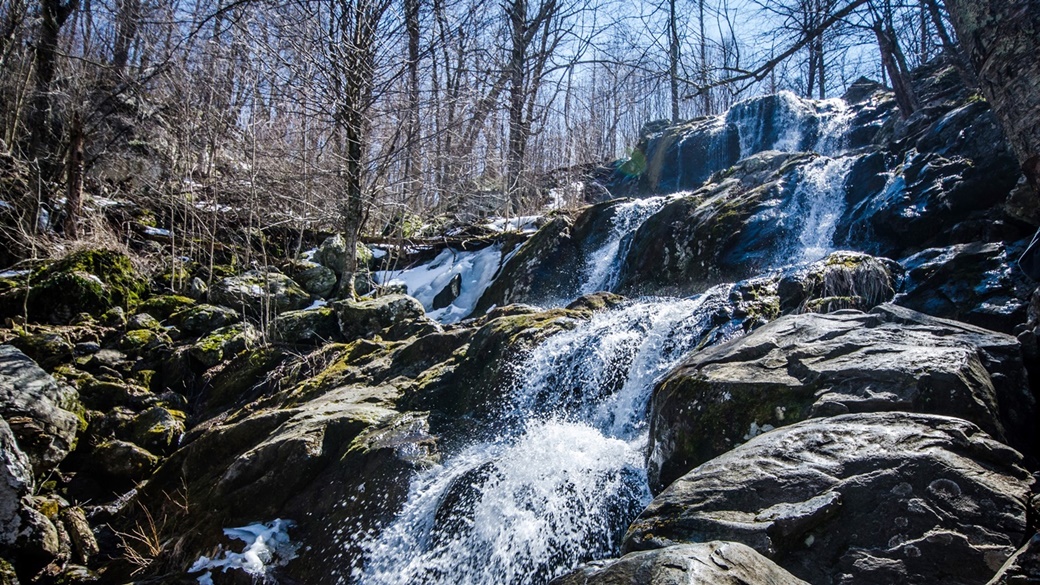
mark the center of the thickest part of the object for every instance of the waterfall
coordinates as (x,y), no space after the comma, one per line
(817,205)
(565,476)
(602,266)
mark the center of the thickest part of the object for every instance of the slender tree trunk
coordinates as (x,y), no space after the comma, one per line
(74,178)
(412,163)
(890,58)
(517,13)
(673,59)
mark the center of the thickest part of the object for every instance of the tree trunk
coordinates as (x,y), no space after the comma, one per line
(412,165)
(673,60)
(1002,39)
(74,178)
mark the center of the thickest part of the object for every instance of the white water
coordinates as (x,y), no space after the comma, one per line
(819,202)
(601,267)
(790,126)
(565,475)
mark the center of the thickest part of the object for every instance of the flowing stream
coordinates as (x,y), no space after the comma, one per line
(563,474)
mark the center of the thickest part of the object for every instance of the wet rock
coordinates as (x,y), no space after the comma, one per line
(259,292)
(974,283)
(205,318)
(892,498)
(449,293)
(38,410)
(391,317)
(224,343)
(708,563)
(803,366)
(311,326)
(542,269)
(720,233)
(842,280)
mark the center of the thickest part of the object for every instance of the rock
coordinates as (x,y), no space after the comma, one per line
(313,277)
(197,288)
(158,429)
(1023,567)
(38,410)
(842,280)
(859,498)
(205,318)
(124,460)
(224,343)
(140,341)
(49,349)
(91,281)
(392,317)
(599,301)
(38,542)
(16,482)
(802,366)
(543,269)
(967,282)
(143,321)
(708,563)
(332,254)
(725,232)
(75,522)
(164,306)
(259,292)
(310,326)
(449,293)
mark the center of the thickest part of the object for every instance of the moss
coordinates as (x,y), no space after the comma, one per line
(143,340)
(223,343)
(90,281)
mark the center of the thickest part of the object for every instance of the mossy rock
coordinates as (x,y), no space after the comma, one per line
(259,292)
(204,318)
(162,307)
(313,277)
(140,341)
(88,281)
(48,348)
(124,460)
(224,343)
(143,321)
(158,429)
(392,317)
(239,377)
(313,326)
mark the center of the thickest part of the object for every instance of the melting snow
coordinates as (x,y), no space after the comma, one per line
(267,545)
(477,269)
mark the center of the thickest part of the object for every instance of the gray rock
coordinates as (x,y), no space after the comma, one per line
(313,277)
(143,321)
(449,293)
(124,460)
(708,563)
(862,498)
(313,326)
(205,318)
(393,317)
(37,408)
(223,343)
(802,366)
(966,282)
(1023,567)
(259,292)
(332,254)
(197,288)
(16,482)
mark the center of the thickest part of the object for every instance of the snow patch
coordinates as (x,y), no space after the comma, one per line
(267,546)
(477,269)
(154,231)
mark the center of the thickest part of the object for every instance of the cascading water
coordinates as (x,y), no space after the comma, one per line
(818,204)
(601,267)
(562,482)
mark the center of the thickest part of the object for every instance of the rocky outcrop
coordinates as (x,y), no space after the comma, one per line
(811,365)
(38,409)
(708,563)
(259,292)
(716,234)
(890,497)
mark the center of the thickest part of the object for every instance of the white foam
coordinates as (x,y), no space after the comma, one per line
(267,545)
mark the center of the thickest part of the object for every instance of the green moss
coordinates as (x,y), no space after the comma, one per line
(90,281)
(142,340)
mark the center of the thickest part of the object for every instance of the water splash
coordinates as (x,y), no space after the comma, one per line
(601,266)
(818,204)
(562,486)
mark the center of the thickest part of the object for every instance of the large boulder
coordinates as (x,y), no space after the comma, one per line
(392,317)
(975,283)
(16,482)
(706,563)
(313,277)
(87,281)
(808,365)
(39,410)
(311,326)
(204,318)
(726,231)
(259,292)
(859,498)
